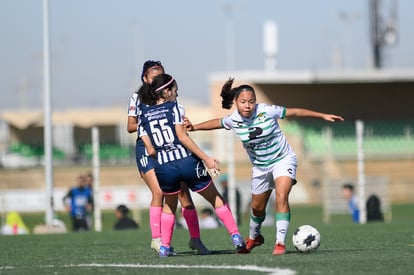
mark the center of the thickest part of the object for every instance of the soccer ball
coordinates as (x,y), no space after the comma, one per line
(306,238)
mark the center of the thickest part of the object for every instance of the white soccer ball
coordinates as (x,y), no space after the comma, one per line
(306,238)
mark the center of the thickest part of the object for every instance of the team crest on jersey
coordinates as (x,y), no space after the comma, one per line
(261,117)
(132,108)
(144,161)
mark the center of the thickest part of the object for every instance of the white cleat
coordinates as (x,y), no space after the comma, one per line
(156,244)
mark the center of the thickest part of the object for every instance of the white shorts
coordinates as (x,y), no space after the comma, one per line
(263,178)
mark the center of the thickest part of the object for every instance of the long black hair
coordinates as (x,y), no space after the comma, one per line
(145,68)
(150,94)
(228,94)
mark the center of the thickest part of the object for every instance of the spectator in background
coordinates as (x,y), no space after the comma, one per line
(89,184)
(208,220)
(225,193)
(123,221)
(89,180)
(374,209)
(348,193)
(78,201)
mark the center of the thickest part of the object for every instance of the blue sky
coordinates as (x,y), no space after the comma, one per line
(98,46)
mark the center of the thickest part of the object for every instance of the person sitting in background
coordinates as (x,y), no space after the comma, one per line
(208,220)
(374,209)
(123,221)
(348,193)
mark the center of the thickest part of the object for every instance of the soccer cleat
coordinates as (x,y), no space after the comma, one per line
(198,247)
(156,244)
(280,249)
(252,243)
(166,252)
(239,244)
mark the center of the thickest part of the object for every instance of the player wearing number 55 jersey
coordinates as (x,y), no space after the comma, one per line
(179,159)
(146,167)
(175,160)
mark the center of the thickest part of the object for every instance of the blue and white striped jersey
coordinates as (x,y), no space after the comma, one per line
(133,107)
(158,122)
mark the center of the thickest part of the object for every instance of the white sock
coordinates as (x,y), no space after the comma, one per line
(281,231)
(255,226)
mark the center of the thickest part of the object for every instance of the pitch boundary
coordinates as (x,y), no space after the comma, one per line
(267,270)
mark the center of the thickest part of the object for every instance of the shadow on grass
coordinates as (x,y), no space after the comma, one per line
(213,252)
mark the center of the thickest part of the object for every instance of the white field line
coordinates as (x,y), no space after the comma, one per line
(268,270)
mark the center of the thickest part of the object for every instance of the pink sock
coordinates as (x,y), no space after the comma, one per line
(191,218)
(155,221)
(227,219)
(167,228)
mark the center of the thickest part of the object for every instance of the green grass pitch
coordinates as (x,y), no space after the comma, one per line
(346,248)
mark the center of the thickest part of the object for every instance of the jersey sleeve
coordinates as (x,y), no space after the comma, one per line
(276,111)
(179,112)
(228,121)
(141,131)
(133,105)
(181,108)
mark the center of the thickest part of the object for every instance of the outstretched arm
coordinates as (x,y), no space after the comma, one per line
(192,146)
(299,112)
(206,125)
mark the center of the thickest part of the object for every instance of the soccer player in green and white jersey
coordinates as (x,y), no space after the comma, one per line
(273,159)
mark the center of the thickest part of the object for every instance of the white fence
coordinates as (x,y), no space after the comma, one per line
(108,198)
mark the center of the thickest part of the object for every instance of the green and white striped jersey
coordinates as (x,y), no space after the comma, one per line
(260,134)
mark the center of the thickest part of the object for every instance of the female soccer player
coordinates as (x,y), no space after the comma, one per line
(274,161)
(179,159)
(146,166)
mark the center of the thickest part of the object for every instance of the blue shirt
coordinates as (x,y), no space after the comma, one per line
(80,198)
(353,209)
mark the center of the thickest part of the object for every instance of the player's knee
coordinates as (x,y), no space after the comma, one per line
(258,210)
(282,197)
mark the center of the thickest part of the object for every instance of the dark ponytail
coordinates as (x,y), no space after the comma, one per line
(145,95)
(151,93)
(228,94)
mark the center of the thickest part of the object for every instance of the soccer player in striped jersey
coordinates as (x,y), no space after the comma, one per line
(179,159)
(273,159)
(146,166)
